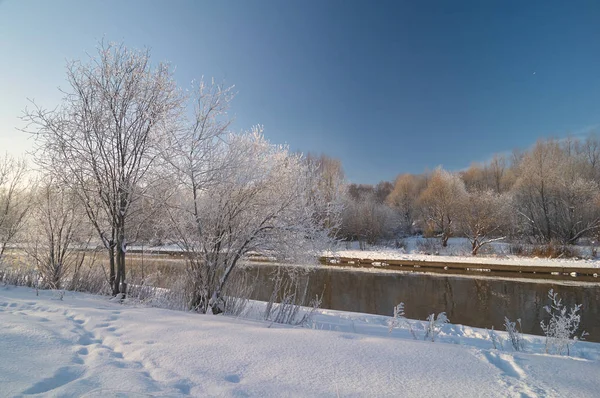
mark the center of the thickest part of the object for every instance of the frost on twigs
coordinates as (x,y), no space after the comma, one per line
(434,325)
(562,329)
(100,142)
(496,340)
(289,295)
(254,197)
(515,335)
(58,294)
(398,319)
(394,322)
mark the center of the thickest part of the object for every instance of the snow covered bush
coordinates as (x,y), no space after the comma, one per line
(399,319)
(561,330)
(17,275)
(287,304)
(514,334)
(428,246)
(433,325)
(496,340)
(394,322)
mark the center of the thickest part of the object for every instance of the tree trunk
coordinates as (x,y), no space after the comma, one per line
(445,238)
(475,247)
(113,277)
(121,284)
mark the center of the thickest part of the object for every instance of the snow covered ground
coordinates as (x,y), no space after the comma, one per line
(458,250)
(90,346)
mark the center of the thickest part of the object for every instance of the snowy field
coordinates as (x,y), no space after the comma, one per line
(458,250)
(89,346)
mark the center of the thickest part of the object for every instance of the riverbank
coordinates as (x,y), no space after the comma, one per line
(459,251)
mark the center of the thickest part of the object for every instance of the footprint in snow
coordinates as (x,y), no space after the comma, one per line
(183,386)
(233,379)
(61,377)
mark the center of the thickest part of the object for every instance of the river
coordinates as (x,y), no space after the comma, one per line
(478,302)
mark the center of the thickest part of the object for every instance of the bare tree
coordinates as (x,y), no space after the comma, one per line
(482,218)
(403,199)
(367,220)
(497,171)
(553,197)
(14,199)
(58,234)
(330,184)
(439,203)
(475,177)
(261,200)
(99,141)
(589,150)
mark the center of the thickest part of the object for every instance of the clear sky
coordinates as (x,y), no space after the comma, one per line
(387,87)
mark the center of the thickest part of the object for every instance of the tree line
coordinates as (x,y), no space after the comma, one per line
(547,194)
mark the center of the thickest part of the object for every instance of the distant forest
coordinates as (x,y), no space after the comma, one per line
(548,195)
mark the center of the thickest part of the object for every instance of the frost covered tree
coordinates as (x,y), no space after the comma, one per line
(589,150)
(475,178)
(494,175)
(99,142)
(403,199)
(331,184)
(483,217)
(499,174)
(440,203)
(366,219)
(58,232)
(14,199)
(259,198)
(555,200)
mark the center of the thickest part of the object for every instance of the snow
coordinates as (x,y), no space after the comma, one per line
(458,250)
(91,346)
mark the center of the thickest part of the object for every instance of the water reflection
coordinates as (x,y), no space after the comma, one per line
(478,302)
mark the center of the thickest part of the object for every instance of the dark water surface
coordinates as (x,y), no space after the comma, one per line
(478,302)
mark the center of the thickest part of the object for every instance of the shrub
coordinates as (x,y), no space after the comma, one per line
(496,340)
(517,249)
(434,325)
(515,336)
(561,329)
(394,322)
(553,250)
(428,246)
(399,318)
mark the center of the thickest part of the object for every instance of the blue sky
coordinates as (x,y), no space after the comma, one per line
(387,87)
